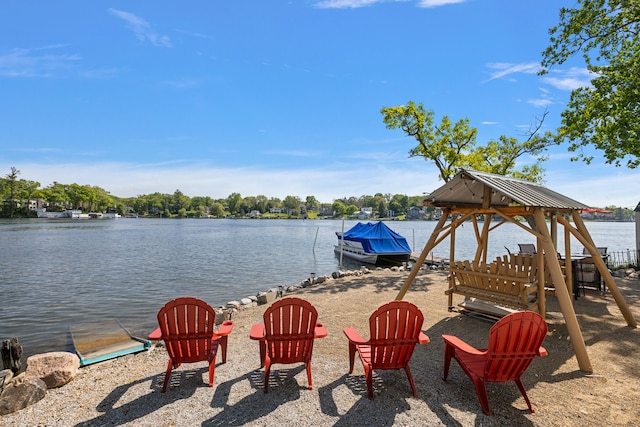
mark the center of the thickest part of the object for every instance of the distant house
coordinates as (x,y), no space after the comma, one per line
(254,214)
(416,212)
(326,212)
(597,214)
(361,215)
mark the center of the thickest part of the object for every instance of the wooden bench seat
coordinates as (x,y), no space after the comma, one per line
(507,281)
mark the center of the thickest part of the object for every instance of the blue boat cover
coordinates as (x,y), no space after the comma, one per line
(377,238)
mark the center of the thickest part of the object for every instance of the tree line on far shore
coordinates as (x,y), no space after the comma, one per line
(16,194)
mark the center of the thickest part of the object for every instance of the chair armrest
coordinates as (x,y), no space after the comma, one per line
(156,335)
(353,335)
(257,332)
(542,352)
(456,342)
(225,328)
(320,331)
(423,339)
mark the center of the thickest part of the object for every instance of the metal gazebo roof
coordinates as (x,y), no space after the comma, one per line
(467,188)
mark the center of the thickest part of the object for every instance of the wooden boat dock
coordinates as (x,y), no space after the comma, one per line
(431,260)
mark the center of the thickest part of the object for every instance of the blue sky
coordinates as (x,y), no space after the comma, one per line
(275,97)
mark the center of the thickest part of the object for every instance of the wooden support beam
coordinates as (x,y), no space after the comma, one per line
(423,256)
(582,234)
(564,299)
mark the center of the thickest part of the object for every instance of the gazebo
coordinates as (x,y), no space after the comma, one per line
(471,196)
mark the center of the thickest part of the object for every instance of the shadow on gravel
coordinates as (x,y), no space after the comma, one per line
(182,385)
(282,388)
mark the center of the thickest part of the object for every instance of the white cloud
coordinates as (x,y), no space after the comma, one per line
(503,69)
(437,3)
(142,29)
(354,4)
(489,123)
(571,79)
(346,4)
(540,102)
(29,63)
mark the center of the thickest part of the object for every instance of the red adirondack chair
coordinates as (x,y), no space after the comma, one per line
(394,332)
(187,328)
(287,335)
(513,343)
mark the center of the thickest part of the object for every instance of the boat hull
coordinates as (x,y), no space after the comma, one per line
(369,258)
(68,214)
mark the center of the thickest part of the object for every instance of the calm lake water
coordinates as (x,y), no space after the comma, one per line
(55,274)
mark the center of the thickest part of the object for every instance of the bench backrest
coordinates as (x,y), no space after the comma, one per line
(497,277)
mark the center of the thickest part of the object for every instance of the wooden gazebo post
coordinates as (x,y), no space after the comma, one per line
(562,293)
(582,234)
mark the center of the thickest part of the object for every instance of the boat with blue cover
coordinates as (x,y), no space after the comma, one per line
(373,243)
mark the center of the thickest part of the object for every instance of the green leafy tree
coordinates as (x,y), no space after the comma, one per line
(103,200)
(200,204)
(446,145)
(249,204)
(351,209)
(382,206)
(339,208)
(13,189)
(415,200)
(273,202)
(399,203)
(179,201)
(500,157)
(452,146)
(74,195)
(233,201)
(311,202)
(56,194)
(217,210)
(292,202)
(262,203)
(605,114)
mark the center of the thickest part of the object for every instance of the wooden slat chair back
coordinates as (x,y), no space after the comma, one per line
(289,334)
(514,341)
(395,329)
(187,327)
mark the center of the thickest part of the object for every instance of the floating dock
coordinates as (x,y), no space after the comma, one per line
(107,340)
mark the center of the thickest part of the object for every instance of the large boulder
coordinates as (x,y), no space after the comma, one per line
(55,368)
(20,393)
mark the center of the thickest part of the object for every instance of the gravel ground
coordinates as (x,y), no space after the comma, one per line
(126,391)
